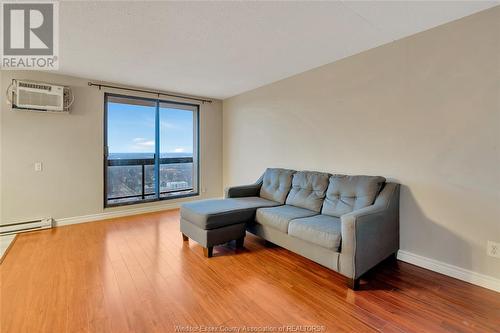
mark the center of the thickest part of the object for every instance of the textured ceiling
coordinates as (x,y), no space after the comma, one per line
(220,49)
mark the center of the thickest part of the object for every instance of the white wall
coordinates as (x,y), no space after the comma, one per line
(424,111)
(71,149)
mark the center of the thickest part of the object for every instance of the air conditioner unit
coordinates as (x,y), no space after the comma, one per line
(39,96)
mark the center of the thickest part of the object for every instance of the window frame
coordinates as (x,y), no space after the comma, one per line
(196,151)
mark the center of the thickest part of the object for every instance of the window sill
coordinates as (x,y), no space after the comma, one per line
(135,203)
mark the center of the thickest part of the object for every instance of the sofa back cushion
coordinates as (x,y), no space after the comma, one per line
(276,184)
(348,193)
(308,190)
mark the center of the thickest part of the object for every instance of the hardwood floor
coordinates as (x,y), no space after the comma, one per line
(135,274)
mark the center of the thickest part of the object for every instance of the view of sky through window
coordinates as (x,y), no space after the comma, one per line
(131,129)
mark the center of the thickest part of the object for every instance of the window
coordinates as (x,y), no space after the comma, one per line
(151,150)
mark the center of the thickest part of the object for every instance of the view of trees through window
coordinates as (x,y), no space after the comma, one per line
(151,149)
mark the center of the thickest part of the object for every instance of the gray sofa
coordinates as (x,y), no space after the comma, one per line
(346,223)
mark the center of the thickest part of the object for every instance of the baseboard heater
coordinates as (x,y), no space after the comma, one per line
(14,228)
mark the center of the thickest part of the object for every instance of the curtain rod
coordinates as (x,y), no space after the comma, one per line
(91,84)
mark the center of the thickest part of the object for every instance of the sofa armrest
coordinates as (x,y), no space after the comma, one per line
(251,190)
(370,234)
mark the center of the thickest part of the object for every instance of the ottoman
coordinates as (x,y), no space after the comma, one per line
(215,222)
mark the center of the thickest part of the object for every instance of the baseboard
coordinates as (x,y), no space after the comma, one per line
(456,272)
(114,214)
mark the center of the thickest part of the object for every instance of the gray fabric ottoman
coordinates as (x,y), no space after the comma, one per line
(214,222)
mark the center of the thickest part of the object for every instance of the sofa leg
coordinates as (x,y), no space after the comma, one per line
(353,284)
(240,242)
(185,238)
(208,251)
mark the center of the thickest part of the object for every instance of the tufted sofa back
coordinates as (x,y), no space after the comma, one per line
(308,190)
(348,193)
(276,184)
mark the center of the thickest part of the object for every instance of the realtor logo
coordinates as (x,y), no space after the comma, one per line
(29,35)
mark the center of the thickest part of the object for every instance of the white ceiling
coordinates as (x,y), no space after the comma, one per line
(220,49)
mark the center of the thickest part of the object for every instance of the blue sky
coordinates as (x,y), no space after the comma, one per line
(131,129)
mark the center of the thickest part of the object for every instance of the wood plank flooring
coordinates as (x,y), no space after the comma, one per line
(135,274)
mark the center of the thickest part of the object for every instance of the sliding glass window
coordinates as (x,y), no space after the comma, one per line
(151,150)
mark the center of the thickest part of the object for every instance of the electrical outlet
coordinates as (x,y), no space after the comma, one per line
(38,166)
(493,249)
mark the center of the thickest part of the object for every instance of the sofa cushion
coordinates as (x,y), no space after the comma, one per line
(279,217)
(211,214)
(348,193)
(308,190)
(322,230)
(276,184)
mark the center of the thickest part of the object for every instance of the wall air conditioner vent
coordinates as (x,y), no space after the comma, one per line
(15,228)
(39,96)
(34,86)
